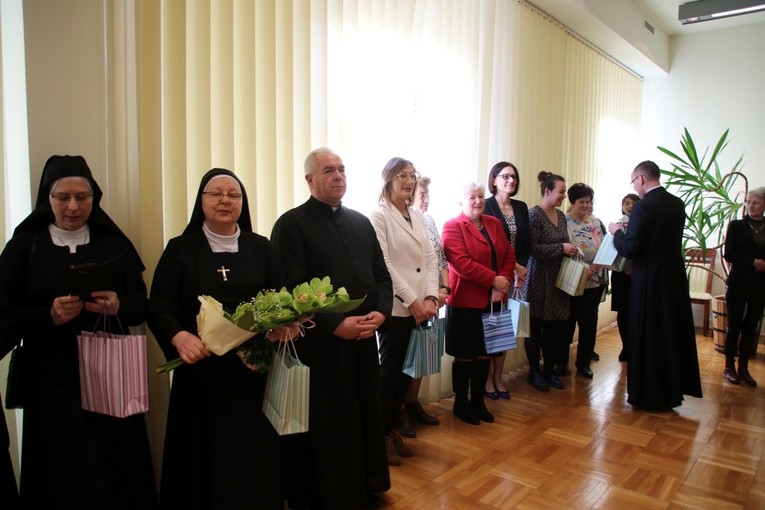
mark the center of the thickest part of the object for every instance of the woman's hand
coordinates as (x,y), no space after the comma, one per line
(64,309)
(520,275)
(497,295)
(190,347)
(759,265)
(423,310)
(104,301)
(501,284)
(570,250)
(442,295)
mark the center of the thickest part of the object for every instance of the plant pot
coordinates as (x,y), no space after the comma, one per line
(719,322)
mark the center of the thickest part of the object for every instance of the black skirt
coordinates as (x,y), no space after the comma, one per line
(464,332)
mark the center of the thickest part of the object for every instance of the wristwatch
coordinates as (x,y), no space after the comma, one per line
(447,288)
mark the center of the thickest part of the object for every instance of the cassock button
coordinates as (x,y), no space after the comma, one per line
(418,269)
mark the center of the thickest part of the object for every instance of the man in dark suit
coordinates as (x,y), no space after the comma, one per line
(662,360)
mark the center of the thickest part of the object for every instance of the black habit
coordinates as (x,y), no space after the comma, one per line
(220,449)
(71,458)
(342,457)
(662,359)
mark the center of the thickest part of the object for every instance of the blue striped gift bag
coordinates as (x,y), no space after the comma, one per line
(498,330)
(285,402)
(113,378)
(425,349)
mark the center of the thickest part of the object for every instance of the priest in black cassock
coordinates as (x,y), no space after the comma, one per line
(662,363)
(341,462)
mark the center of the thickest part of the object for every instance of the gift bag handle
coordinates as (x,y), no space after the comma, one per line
(107,326)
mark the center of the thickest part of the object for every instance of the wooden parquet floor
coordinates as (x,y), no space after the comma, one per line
(585,447)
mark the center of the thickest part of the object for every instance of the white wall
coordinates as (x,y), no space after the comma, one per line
(715,82)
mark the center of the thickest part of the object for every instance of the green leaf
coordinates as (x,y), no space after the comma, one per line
(341,306)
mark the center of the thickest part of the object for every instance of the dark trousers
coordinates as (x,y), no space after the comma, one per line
(584,312)
(547,336)
(622,322)
(394,383)
(745,301)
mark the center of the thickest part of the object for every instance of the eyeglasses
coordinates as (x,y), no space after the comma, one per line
(234,196)
(63,198)
(506,177)
(632,182)
(404,176)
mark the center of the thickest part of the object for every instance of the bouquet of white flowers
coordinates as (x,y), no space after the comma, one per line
(281,311)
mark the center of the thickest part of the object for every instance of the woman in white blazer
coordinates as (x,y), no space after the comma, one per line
(413,267)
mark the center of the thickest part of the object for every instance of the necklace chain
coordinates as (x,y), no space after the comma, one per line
(756,230)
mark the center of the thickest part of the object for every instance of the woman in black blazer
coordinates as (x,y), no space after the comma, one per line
(504,182)
(745,296)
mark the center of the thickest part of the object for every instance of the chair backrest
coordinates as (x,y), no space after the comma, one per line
(700,265)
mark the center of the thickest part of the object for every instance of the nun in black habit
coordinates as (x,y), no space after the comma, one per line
(72,458)
(220,449)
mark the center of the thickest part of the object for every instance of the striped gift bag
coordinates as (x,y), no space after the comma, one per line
(286,399)
(572,276)
(608,257)
(498,330)
(519,311)
(113,378)
(425,349)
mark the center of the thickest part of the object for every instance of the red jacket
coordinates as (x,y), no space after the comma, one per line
(469,257)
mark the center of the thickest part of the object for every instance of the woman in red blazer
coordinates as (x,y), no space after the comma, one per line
(481,265)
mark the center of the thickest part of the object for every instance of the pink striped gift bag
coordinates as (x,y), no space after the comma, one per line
(113,377)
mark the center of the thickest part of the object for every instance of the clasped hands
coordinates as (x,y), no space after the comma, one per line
(358,327)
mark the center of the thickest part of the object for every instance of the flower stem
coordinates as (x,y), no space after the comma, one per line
(170,365)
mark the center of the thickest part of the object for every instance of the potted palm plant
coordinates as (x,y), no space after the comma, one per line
(712,199)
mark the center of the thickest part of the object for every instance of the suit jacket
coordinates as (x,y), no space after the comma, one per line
(408,254)
(741,251)
(523,234)
(469,255)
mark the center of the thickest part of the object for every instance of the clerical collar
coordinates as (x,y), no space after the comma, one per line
(69,238)
(222,244)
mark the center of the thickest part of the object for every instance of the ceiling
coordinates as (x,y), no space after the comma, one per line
(664,13)
(590,20)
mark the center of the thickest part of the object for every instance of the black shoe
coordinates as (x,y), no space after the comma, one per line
(405,426)
(492,395)
(464,412)
(479,408)
(584,372)
(538,382)
(595,356)
(417,413)
(554,382)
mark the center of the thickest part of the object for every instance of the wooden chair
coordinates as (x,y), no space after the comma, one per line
(701,269)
